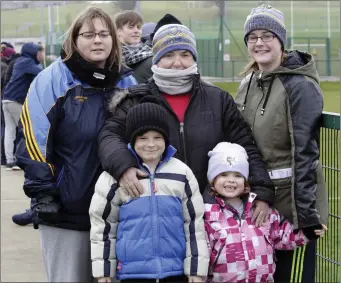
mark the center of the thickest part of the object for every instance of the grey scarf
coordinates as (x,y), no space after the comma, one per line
(172,81)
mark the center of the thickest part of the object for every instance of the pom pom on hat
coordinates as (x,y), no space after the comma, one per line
(165,20)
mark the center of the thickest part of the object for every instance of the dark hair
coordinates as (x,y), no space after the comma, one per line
(127,17)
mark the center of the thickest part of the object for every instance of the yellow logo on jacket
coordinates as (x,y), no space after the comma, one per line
(80,98)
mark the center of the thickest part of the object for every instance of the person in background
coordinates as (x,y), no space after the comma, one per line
(280,98)
(8,57)
(25,69)
(201,115)
(11,58)
(62,115)
(239,250)
(171,205)
(6,44)
(137,55)
(6,53)
(147,30)
(165,20)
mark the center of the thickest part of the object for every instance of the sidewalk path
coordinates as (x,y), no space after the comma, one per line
(20,246)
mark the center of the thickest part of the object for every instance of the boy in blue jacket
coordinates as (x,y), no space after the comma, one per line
(158,236)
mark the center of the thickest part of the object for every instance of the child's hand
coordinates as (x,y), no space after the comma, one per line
(320,232)
(104,280)
(196,279)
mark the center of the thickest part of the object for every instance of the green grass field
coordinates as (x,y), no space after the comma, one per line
(328,246)
(308,20)
(331,93)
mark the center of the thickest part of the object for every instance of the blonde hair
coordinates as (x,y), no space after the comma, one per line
(252,65)
(87,16)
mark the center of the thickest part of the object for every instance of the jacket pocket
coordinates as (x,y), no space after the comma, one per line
(321,195)
(283,198)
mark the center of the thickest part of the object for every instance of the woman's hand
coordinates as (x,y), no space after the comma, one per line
(320,232)
(104,280)
(129,182)
(260,213)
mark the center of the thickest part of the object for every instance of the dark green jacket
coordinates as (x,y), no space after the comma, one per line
(284,110)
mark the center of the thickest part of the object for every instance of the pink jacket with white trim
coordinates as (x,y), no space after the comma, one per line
(242,252)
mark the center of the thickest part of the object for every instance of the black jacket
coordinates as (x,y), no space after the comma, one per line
(142,70)
(9,70)
(211,117)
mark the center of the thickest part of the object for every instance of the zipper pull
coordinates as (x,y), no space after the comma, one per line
(153,184)
(181,128)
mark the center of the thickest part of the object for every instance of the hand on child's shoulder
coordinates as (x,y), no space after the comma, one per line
(196,279)
(104,280)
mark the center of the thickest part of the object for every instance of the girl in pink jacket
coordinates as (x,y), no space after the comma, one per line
(239,250)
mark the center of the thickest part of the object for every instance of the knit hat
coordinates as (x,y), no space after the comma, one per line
(227,157)
(7,44)
(267,18)
(146,117)
(147,30)
(165,20)
(7,52)
(173,37)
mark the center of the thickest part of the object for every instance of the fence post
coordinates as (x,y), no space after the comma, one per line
(328,68)
(309,45)
(232,70)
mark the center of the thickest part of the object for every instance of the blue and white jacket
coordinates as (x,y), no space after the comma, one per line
(157,235)
(57,148)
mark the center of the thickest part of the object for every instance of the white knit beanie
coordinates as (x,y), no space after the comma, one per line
(227,157)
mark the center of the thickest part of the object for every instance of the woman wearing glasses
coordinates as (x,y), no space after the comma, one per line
(281,100)
(62,116)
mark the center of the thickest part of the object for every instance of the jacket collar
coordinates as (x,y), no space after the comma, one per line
(248,201)
(92,75)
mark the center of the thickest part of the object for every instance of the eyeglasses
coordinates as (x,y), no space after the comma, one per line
(264,38)
(92,35)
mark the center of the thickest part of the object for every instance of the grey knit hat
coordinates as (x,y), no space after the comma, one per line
(267,18)
(227,157)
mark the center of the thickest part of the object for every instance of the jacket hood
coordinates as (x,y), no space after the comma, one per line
(30,50)
(296,63)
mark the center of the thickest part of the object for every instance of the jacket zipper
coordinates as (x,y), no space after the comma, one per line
(155,215)
(182,135)
(152,184)
(254,117)
(211,268)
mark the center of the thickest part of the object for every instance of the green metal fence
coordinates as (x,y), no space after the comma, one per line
(328,247)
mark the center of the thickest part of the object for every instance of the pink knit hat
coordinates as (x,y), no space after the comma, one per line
(7,52)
